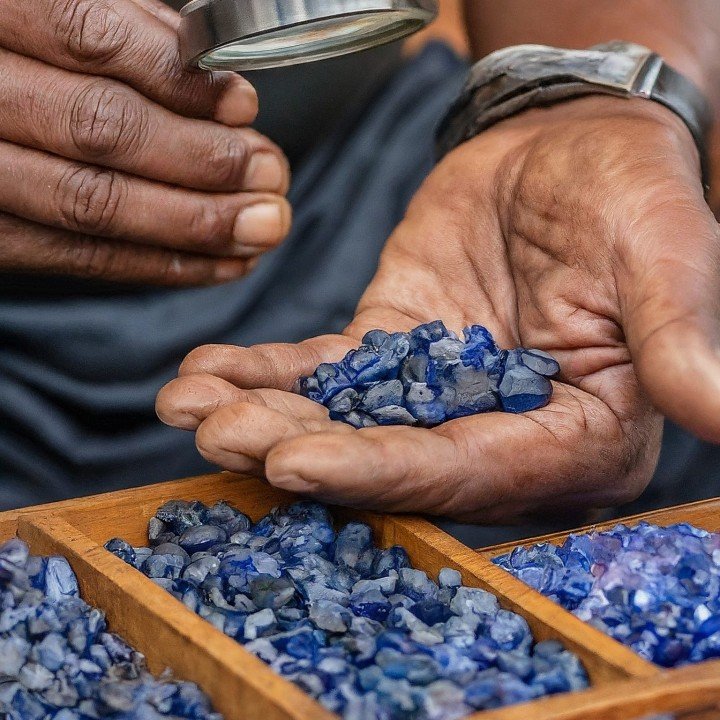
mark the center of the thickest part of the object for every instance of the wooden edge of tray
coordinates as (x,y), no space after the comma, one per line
(693,689)
(704,514)
(168,634)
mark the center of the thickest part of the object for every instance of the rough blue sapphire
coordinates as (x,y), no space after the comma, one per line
(655,589)
(428,376)
(57,660)
(351,624)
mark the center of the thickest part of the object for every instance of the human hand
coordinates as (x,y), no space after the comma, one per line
(579,229)
(115,162)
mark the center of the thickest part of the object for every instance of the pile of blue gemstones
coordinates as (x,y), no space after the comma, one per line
(428,376)
(654,589)
(353,625)
(59,662)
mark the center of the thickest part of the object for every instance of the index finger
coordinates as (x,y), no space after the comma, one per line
(275,365)
(126,41)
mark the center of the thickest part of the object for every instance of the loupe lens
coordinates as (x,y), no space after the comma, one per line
(315,41)
(226,35)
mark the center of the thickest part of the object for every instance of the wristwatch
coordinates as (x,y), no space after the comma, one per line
(525,76)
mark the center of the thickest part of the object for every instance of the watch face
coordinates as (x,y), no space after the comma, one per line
(534,62)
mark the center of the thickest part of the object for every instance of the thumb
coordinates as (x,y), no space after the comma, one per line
(277,365)
(669,288)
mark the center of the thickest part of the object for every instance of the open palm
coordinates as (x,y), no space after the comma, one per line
(580,230)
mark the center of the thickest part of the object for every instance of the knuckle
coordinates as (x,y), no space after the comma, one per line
(90,258)
(181,88)
(227,160)
(105,121)
(210,225)
(92,31)
(89,199)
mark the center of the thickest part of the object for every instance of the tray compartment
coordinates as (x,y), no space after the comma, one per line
(169,635)
(704,514)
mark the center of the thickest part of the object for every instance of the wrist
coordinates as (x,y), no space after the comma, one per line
(626,127)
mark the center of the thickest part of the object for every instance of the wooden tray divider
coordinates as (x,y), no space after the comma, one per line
(135,507)
(430,548)
(692,690)
(168,633)
(8,526)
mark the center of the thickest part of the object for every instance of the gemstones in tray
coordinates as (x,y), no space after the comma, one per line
(428,376)
(353,625)
(59,662)
(655,589)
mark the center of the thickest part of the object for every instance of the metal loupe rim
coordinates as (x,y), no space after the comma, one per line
(211,25)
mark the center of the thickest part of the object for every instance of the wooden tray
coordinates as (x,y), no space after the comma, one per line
(241,686)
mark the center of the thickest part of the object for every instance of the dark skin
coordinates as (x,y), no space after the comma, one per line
(580,229)
(120,164)
(686,34)
(544,242)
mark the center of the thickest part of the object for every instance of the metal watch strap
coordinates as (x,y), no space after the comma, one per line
(505,89)
(677,93)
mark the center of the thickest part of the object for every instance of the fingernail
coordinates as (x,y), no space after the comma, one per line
(265,172)
(260,224)
(293,483)
(238,105)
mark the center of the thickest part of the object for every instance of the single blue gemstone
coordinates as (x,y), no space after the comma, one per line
(123,550)
(431,611)
(169,548)
(201,537)
(540,362)
(60,580)
(370,604)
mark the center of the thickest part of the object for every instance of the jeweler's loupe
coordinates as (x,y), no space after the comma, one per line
(257,34)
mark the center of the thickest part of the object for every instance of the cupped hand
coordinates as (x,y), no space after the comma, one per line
(116,162)
(579,229)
